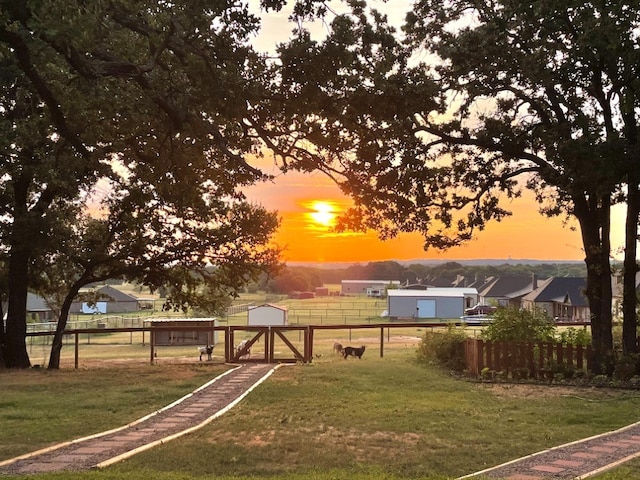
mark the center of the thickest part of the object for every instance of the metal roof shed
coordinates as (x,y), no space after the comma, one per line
(182,335)
(430,303)
(267,315)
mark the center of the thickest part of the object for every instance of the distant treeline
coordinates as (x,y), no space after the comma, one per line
(305,278)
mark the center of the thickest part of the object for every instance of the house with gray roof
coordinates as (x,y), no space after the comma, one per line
(507,290)
(562,298)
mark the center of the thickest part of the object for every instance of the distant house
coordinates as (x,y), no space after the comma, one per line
(562,298)
(359,287)
(506,290)
(267,315)
(436,302)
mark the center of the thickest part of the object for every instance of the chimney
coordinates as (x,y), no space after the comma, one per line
(534,281)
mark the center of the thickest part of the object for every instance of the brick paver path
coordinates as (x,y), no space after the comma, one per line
(189,413)
(576,460)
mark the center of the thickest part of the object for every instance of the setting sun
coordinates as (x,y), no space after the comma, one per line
(323,213)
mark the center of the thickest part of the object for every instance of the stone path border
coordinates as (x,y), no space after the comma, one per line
(186,415)
(572,461)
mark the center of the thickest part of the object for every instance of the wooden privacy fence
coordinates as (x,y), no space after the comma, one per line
(525,359)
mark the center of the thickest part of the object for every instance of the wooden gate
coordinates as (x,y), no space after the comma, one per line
(242,352)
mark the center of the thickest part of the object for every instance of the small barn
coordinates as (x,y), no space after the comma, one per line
(38,310)
(322,291)
(267,315)
(181,335)
(109,300)
(436,302)
(302,295)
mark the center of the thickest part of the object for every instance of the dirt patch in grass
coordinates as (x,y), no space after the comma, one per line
(505,390)
(362,446)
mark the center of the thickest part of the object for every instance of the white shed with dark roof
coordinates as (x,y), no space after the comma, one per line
(267,315)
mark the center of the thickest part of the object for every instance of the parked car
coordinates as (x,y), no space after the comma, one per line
(480,309)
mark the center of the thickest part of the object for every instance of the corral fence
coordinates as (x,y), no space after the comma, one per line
(298,340)
(525,359)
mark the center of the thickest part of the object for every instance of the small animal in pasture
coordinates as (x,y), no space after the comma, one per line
(242,351)
(208,350)
(337,348)
(354,351)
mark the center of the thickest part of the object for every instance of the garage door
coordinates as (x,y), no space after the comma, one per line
(426,309)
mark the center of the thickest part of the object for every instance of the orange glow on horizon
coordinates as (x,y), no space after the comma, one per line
(309,203)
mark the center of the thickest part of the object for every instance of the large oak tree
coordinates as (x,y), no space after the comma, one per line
(155,106)
(487,98)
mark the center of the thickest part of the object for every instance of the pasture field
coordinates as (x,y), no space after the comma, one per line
(347,311)
(376,418)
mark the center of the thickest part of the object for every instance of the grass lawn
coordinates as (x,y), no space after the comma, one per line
(43,407)
(373,418)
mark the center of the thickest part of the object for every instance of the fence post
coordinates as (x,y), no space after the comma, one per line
(489,355)
(77,349)
(579,357)
(381,342)
(152,342)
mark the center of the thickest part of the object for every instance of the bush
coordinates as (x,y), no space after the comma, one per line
(520,325)
(575,336)
(445,349)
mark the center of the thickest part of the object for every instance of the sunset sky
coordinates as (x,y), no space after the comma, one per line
(307,204)
(305,232)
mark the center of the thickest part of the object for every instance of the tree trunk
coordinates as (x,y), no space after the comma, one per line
(56,345)
(2,335)
(629,301)
(15,350)
(593,213)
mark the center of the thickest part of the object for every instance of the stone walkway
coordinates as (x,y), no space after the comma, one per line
(572,461)
(181,417)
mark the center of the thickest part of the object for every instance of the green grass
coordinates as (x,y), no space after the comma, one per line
(376,418)
(42,407)
(630,470)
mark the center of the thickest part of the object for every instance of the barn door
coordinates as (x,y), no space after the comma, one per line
(426,309)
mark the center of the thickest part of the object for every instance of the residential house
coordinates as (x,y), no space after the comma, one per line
(506,290)
(562,298)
